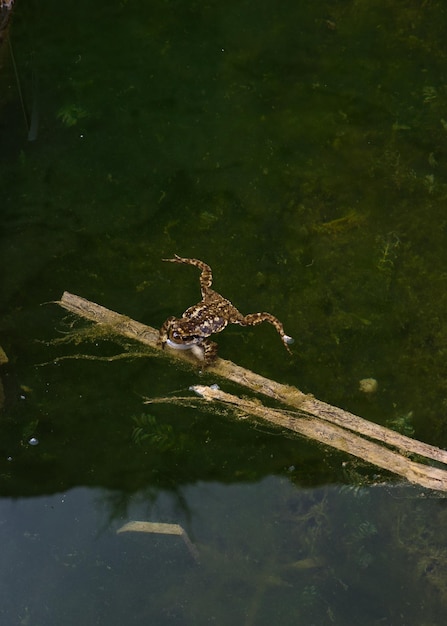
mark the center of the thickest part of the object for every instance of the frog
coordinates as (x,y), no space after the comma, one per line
(211,315)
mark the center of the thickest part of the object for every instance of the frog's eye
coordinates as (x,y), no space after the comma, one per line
(180,337)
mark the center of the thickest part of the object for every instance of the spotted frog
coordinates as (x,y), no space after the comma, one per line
(211,315)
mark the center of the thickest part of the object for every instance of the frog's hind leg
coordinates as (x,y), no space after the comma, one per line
(253,319)
(206,276)
(209,351)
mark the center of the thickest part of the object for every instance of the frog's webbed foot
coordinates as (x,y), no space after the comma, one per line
(253,319)
(206,276)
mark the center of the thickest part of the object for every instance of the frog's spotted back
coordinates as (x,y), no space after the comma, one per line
(211,315)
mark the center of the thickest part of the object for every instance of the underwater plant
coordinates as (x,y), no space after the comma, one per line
(71,114)
(161,436)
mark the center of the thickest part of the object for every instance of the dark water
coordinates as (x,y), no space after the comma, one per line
(298,148)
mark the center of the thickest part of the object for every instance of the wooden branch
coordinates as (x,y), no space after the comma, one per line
(118,323)
(160,528)
(351,428)
(334,436)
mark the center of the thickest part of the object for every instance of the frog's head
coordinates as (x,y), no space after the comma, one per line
(179,334)
(176,333)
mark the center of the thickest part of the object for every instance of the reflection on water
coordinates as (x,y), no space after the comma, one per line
(299,149)
(269,553)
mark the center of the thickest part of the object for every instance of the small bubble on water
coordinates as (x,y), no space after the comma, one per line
(33,441)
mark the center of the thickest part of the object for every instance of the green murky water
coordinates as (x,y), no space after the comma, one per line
(298,148)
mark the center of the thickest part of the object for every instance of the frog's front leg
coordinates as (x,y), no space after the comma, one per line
(164,332)
(206,276)
(253,319)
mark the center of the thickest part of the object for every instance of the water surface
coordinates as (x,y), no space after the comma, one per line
(299,150)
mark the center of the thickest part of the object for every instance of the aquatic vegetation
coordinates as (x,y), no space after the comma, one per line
(309,595)
(402,423)
(365,529)
(357,490)
(311,524)
(363,557)
(161,436)
(389,246)
(429,94)
(424,546)
(352,219)
(97,335)
(71,114)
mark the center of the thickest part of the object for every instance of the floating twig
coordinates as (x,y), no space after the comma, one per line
(160,528)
